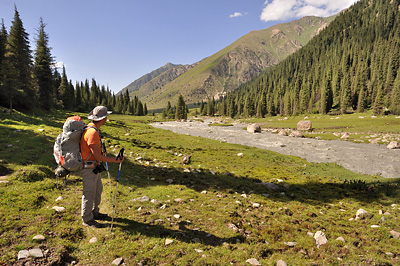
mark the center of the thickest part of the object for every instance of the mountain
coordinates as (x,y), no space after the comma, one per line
(155,79)
(227,69)
(353,65)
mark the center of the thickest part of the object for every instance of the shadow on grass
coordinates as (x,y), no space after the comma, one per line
(310,192)
(184,234)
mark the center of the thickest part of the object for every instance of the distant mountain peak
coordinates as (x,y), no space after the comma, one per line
(227,69)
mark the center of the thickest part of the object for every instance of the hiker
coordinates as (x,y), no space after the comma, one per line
(92,156)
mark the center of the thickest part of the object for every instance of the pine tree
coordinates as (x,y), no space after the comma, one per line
(3,67)
(379,102)
(395,104)
(345,99)
(42,69)
(232,108)
(140,110)
(19,57)
(180,113)
(210,107)
(63,89)
(361,101)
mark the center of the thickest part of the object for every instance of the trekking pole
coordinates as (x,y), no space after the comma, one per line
(104,151)
(120,155)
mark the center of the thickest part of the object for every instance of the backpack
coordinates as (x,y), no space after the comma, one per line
(66,150)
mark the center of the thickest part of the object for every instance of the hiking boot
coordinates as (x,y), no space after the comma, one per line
(94,224)
(101,216)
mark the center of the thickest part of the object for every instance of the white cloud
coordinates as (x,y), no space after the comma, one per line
(276,10)
(236,14)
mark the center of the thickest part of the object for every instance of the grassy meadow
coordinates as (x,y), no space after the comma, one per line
(229,204)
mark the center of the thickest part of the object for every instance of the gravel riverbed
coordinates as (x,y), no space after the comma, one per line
(358,157)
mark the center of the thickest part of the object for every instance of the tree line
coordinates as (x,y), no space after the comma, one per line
(30,80)
(351,66)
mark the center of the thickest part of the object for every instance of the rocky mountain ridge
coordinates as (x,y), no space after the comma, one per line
(227,69)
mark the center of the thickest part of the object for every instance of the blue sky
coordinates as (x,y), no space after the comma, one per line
(118,41)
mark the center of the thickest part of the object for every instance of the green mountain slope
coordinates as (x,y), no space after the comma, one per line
(353,65)
(241,61)
(155,79)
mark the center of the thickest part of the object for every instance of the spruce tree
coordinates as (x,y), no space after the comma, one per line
(379,102)
(180,113)
(42,69)
(18,54)
(232,108)
(395,104)
(3,63)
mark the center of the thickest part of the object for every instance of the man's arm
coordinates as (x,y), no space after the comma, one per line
(96,151)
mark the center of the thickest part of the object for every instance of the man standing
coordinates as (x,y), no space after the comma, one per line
(92,156)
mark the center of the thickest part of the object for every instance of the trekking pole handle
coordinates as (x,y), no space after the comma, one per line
(121,153)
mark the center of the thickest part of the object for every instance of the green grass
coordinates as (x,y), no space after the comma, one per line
(216,190)
(363,127)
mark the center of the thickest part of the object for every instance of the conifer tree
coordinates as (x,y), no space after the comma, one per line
(180,113)
(232,108)
(18,55)
(63,91)
(42,69)
(379,102)
(395,104)
(140,110)
(361,101)
(3,63)
(78,97)
(345,99)
(211,107)
(201,107)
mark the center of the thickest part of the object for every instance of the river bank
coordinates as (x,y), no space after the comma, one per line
(362,158)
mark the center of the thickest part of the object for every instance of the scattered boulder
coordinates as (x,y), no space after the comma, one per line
(283,133)
(253,128)
(393,145)
(168,242)
(281,263)
(340,238)
(36,252)
(233,227)
(362,214)
(290,244)
(253,261)
(320,238)
(304,125)
(345,136)
(186,159)
(296,134)
(179,200)
(118,261)
(395,234)
(23,254)
(58,209)
(142,199)
(39,238)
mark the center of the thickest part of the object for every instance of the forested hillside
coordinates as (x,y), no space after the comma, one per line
(352,65)
(29,80)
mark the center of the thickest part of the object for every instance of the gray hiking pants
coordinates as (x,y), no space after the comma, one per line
(91,198)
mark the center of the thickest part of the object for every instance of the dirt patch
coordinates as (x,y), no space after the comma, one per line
(361,158)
